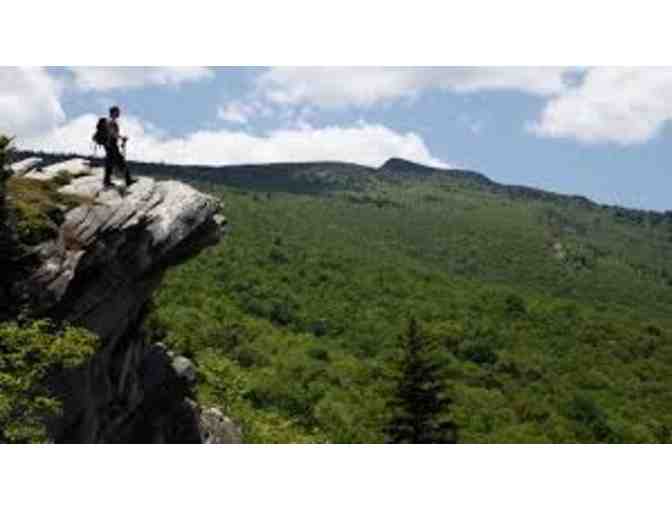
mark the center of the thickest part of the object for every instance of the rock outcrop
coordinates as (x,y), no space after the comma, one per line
(100,272)
(33,168)
(24,166)
(217,428)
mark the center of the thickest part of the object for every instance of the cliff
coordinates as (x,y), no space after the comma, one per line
(98,269)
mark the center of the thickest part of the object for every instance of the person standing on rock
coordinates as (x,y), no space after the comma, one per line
(113,156)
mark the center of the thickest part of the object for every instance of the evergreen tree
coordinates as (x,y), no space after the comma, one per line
(5,147)
(7,241)
(419,406)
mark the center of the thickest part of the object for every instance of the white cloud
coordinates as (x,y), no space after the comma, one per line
(622,105)
(29,101)
(339,87)
(241,112)
(108,78)
(235,112)
(362,143)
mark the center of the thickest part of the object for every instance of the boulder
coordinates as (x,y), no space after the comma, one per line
(184,369)
(76,167)
(216,428)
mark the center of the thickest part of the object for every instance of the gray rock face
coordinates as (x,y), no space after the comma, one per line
(218,429)
(184,369)
(74,167)
(111,251)
(100,273)
(24,166)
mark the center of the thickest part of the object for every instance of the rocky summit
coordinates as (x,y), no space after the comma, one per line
(99,272)
(111,249)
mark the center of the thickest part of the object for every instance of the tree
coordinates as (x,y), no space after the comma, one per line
(419,406)
(8,243)
(5,148)
(31,355)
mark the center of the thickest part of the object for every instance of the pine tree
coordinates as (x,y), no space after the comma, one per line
(9,247)
(5,231)
(5,147)
(419,406)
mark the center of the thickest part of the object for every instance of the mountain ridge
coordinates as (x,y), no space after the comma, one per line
(394,166)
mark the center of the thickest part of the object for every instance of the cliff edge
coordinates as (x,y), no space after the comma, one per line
(98,270)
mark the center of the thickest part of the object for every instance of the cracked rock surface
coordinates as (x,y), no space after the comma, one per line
(100,273)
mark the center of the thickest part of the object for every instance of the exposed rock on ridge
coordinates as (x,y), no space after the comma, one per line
(100,273)
(24,166)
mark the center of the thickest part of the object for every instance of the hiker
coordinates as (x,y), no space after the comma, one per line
(108,135)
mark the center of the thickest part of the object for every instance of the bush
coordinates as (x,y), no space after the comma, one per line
(515,305)
(283,312)
(278,256)
(318,353)
(29,355)
(5,148)
(478,351)
(62,178)
(40,208)
(590,418)
(319,328)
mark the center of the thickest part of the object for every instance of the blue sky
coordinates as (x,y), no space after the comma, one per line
(599,132)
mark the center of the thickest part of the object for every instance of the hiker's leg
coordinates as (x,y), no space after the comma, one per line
(109,164)
(118,162)
(123,166)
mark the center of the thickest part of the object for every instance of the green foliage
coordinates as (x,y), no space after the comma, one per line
(5,150)
(419,406)
(39,207)
(62,178)
(590,419)
(226,385)
(30,354)
(532,303)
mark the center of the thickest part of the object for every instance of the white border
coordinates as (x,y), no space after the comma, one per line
(372,32)
(329,33)
(552,477)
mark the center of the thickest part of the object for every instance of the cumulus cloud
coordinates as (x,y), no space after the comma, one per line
(368,144)
(108,78)
(241,112)
(235,112)
(622,105)
(339,87)
(29,101)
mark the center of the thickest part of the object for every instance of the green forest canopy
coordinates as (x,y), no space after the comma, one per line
(553,315)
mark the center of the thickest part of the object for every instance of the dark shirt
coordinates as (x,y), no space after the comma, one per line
(113,131)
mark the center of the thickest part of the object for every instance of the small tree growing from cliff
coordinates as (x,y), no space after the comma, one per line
(5,144)
(5,147)
(7,247)
(420,405)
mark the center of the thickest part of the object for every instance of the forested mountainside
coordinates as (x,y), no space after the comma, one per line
(551,312)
